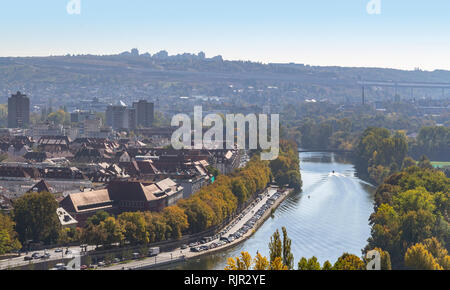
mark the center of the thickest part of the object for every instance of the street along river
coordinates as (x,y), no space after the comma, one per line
(328,218)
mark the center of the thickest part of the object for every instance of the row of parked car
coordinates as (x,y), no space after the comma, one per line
(257,216)
(38,256)
(211,246)
(200,246)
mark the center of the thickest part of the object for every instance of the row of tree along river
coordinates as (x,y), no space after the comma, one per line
(329,217)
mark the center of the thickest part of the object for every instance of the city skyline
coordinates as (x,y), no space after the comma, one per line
(405,35)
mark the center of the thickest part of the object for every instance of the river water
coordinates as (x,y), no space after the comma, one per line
(328,218)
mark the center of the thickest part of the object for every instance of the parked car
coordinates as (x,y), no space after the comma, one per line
(60,266)
(28,258)
(152,252)
(46,256)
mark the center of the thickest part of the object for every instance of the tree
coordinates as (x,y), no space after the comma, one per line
(327,266)
(69,235)
(275,247)
(36,218)
(176,219)
(309,264)
(94,235)
(408,162)
(134,226)
(349,262)
(303,264)
(288,257)
(438,252)
(8,237)
(278,265)
(239,190)
(418,258)
(114,231)
(59,117)
(261,263)
(97,218)
(313,264)
(244,262)
(425,163)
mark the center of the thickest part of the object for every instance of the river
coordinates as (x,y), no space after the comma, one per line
(328,218)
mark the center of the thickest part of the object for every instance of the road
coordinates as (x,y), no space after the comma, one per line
(164,257)
(54,256)
(179,254)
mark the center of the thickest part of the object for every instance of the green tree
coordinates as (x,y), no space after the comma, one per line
(327,266)
(349,262)
(176,219)
(275,247)
(303,264)
(313,264)
(36,218)
(97,218)
(288,257)
(134,226)
(8,237)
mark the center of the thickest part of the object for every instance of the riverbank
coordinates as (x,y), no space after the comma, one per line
(179,255)
(328,218)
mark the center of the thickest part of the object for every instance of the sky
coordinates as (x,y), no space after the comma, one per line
(406,34)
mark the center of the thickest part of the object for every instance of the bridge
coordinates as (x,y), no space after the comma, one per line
(410,85)
(324,150)
(413,85)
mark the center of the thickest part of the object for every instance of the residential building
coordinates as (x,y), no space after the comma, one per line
(145,112)
(18,111)
(121,117)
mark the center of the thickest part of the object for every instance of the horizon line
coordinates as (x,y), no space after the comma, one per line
(229,59)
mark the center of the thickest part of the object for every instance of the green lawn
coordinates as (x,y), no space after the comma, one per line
(440,164)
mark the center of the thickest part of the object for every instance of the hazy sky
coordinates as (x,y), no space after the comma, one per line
(407,33)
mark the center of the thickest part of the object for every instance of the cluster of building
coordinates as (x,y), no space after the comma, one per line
(84,123)
(87,175)
(89,166)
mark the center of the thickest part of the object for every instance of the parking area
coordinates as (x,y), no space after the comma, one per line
(241,225)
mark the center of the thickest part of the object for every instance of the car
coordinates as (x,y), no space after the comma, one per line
(183,247)
(60,266)
(83,267)
(28,258)
(117,260)
(101,264)
(36,256)
(58,250)
(46,256)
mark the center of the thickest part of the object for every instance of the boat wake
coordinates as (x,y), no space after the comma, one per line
(335,174)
